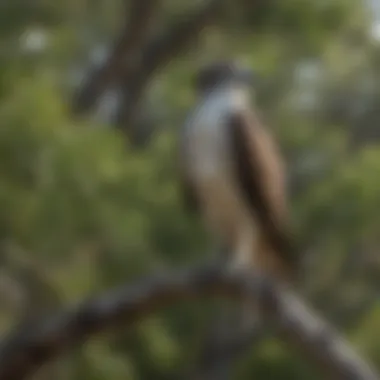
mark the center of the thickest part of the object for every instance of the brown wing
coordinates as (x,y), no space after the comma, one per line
(188,193)
(261,176)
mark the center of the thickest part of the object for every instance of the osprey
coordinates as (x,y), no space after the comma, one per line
(232,174)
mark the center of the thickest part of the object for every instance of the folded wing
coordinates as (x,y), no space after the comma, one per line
(260,175)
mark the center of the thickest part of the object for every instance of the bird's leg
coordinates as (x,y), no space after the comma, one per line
(243,261)
(236,253)
(228,324)
(221,252)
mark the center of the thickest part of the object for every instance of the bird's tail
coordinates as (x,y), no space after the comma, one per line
(273,264)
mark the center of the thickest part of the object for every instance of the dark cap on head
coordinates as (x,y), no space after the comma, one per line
(219,72)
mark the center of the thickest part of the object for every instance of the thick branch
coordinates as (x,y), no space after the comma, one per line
(24,351)
(158,53)
(125,51)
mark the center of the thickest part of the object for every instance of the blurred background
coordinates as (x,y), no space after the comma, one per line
(88,191)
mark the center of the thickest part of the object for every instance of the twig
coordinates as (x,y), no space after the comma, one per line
(24,351)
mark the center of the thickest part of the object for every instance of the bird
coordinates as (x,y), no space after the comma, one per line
(232,174)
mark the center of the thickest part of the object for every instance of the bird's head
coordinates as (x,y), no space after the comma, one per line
(223,73)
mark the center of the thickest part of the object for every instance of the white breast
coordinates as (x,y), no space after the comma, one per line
(211,164)
(208,134)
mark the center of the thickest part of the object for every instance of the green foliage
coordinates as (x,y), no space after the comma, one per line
(86,211)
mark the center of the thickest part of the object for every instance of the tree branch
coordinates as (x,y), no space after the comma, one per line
(125,52)
(158,53)
(25,350)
